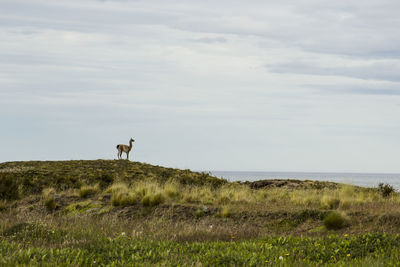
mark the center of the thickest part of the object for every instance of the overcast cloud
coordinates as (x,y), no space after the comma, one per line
(302,85)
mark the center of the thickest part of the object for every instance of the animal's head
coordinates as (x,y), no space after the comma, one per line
(132,140)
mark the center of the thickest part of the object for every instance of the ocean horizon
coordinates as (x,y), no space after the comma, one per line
(359,179)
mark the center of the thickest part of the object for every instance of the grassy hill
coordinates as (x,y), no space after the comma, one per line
(121,212)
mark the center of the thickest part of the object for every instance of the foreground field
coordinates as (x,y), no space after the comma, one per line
(130,213)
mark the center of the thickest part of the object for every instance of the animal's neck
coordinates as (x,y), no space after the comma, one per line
(130,143)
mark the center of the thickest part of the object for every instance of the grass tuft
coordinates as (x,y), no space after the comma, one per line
(151,200)
(225,212)
(49,198)
(89,190)
(330,202)
(123,199)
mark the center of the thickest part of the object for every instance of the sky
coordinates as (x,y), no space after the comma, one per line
(302,85)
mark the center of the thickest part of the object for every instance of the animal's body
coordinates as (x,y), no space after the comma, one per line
(125,148)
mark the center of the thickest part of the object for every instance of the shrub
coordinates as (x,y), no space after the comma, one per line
(385,189)
(334,220)
(88,190)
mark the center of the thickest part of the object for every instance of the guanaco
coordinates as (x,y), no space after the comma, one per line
(124,148)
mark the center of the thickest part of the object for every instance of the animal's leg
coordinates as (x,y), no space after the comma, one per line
(127,155)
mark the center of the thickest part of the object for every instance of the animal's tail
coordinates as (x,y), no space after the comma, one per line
(117,146)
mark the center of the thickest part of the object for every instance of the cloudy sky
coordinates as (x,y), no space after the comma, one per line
(302,85)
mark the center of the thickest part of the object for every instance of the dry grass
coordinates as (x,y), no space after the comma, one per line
(89,190)
(346,197)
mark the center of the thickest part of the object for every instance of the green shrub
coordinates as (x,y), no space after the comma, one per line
(88,190)
(385,189)
(334,220)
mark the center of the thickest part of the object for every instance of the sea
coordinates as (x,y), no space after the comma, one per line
(360,179)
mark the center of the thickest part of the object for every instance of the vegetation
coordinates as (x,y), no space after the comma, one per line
(385,189)
(124,213)
(334,220)
(89,190)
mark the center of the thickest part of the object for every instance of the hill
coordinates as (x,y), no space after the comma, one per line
(75,204)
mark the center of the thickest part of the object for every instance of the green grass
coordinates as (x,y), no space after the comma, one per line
(56,247)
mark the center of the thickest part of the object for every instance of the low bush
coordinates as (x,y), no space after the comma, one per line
(334,221)
(385,189)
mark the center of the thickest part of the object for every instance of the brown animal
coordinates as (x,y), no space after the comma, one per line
(124,148)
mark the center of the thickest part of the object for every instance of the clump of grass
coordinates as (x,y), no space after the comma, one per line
(330,202)
(225,212)
(117,187)
(121,195)
(334,221)
(151,200)
(385,189)
(123,199)
(49,198)
(234,193)
(172,190)
(199,213)
(345,204)
(88,190)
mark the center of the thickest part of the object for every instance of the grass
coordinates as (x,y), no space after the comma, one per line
(37,244)
(88,190)
(49,198)
(125,213)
